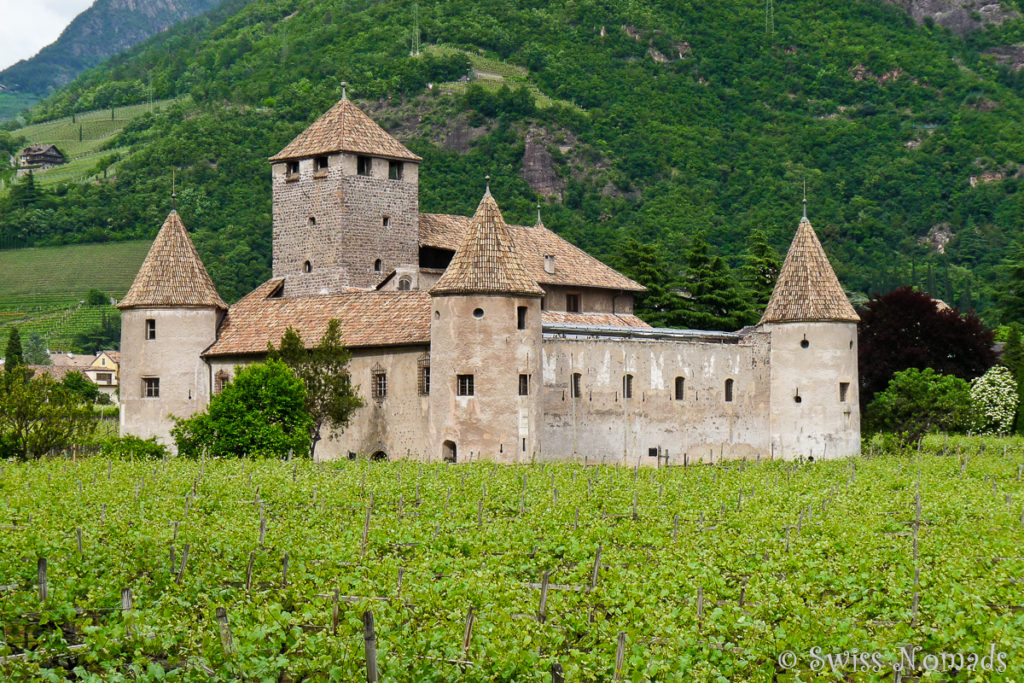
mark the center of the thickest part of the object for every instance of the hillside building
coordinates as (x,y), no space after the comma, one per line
(474,340)
(38,157)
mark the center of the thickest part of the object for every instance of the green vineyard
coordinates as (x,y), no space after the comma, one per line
(43,290)
(741,571)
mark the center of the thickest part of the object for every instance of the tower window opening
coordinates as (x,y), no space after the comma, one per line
(728,390)
(321,163)
(385,221)
(478,312)
(150,328)
(379,386)
(312,221)
(575,387)
(395,170)
(464,385)
(524,385)
(627,386)
(804,343)
(377,266)
(292,169)
(424,380)
(572,303)
(151,387)
(364,165)
(680,388)
(307,267)
(521,317)
(844,391)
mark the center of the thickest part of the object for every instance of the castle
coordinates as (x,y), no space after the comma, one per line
(475,340)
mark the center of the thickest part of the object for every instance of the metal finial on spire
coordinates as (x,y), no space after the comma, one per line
(487,179)
(344,90)
(539,221)
(805,199)
(174,193)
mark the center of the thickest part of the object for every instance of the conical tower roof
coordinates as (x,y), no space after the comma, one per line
(807,288)
(487,261)
(344,128)
(172,274)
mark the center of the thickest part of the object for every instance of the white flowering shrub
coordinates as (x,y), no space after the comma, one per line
(994,396)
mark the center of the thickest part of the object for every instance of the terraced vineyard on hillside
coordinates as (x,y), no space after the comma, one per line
(268,570)
(43,289)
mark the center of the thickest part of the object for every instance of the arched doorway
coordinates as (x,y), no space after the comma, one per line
(449,451)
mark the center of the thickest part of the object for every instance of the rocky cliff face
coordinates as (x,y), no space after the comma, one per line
(959,16)
(105,29)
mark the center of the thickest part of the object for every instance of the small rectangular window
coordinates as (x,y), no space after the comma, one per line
(521,317)
(395,170)
(680,388)
(364,165)
(385,221)
(464,385)
(150,328)
(572,303)
(292,169)
(424,380)
(524,385)
(844,390)
(652,452)
(627,386)
(728,390)
(380,385)
(322,163)
(151,387)
(576,386)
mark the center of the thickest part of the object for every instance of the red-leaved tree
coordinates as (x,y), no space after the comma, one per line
(905,329)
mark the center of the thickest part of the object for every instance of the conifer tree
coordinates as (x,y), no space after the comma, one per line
(646,263)
(712,299)
(760,268)
(13,355)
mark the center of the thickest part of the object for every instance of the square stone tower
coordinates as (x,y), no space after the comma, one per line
(345,205)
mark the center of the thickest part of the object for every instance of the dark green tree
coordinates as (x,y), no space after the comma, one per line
(917,402)
(761,266)
(712,299)
(35,351)
(1010,286)
(261,413)
(39,415)
(648,265)
(96,298)
(106,335)
(13,355)
(330,397)
(79,384)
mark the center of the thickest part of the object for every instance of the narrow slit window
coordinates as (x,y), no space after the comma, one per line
(385,221)
(377,266)
(307,267)
(627,386)
(576,386)
(728,390)
(424,383)
(524,385)
(680,388)
(150,328)
(844,391)
(464,385)
(521,317)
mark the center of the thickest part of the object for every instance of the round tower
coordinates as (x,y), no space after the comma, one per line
(485,349)
(168,318)
(815,408)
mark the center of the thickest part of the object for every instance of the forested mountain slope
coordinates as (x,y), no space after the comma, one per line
(657,121)
(104,29)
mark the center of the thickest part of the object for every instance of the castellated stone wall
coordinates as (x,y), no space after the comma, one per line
(601,425)
(334,220)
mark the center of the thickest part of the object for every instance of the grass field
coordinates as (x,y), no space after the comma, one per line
(42,289)
(266,570)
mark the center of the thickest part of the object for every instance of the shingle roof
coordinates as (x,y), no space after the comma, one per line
(172,274)
(368,318)
(807,288)
(487,261)
(600,319)
(573,266)
(344,128)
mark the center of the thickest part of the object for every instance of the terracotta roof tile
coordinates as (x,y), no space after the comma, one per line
(368,318)
(602,319)
(487,261)
(807,288)
(344,128)
(573,266)
(172,274)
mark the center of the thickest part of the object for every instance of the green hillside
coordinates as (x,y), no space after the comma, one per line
(660,122)
(44,289)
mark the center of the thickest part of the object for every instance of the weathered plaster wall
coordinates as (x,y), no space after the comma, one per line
(592,300)
(182,334)
(821,424)
(496,423)
(602,426)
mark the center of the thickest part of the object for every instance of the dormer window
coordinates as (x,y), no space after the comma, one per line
(292,170)
(395,170)
(549,264)
(364,165)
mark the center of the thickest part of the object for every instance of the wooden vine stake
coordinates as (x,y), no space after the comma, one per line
(263,529)
(284,570)
(78,532)
(557,674)
(597,569)
(542,608)
(184,559)
(467,633)
(334,612)
(700,606)
(620,655)
(248,572)
(225,631)
(370,642)
(41,578)
(366,531)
